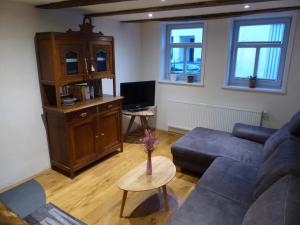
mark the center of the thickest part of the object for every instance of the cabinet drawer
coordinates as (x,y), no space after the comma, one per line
(110,105)
(81,114)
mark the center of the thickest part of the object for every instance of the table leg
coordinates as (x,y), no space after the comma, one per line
(159,189)
(129,127)
(123,203)
(145,121)
(165,197)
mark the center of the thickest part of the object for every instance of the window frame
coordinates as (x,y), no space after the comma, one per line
(170,45)
(235,45)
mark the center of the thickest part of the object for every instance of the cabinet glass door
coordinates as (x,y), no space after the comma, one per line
(73,65)
(71,59)
(101,58)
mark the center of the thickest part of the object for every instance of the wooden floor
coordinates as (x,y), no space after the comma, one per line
(94,197)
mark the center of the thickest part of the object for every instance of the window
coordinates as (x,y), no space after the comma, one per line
(259,50)
(184,52)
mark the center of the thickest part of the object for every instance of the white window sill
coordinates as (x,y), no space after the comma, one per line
(196,84)
(258,89)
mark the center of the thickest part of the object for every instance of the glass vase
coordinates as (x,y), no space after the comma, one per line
(149,164)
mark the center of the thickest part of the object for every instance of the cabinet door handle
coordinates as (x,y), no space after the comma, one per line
(102,134)
(84,114)
(109,106)
(97,136)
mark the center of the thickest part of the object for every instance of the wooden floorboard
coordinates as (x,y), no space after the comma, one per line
(94,198)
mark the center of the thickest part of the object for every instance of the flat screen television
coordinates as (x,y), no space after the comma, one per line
(138,95)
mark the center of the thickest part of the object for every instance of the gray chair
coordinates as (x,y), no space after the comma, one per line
(25,198)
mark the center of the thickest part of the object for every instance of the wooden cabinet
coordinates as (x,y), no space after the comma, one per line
(82,134)
(72,65)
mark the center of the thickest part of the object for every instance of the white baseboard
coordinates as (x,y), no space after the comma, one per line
(23,180)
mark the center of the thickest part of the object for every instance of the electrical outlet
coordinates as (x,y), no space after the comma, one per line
(265,116)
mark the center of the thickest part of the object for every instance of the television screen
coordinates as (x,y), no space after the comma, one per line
(138,95)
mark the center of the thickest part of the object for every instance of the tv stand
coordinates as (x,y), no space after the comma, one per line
(138,109)
(144,116)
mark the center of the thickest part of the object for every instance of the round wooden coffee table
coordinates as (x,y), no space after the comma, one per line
(163,171)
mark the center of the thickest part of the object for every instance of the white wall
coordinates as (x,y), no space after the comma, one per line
(279,107)
(23,144)
(127,50)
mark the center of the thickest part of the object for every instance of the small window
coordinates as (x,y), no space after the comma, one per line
(184,52)
(258,51)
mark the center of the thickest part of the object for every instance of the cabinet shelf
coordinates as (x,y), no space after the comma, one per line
(84,104)
(80,80)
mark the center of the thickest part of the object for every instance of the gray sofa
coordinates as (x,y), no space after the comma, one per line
(252,176)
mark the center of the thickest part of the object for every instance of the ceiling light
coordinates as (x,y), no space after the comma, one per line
(247,6)
(150,15)
(163,0)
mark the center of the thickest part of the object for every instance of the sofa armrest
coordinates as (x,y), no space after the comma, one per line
(252,133)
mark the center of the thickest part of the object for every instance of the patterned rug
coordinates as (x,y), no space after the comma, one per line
(49,214)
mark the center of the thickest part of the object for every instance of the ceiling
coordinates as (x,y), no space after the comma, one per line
(100,8)
(37,2)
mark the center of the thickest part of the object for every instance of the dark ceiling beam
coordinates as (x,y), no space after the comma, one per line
(77,3)
(215,15)
(192,5)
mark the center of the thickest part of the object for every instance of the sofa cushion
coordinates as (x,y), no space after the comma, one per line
(231,179)
(285,160)
(295,125)
(279,205)
(207,144)
(276,139)
(204,207)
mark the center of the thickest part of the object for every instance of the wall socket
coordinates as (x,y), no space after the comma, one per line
(265,116)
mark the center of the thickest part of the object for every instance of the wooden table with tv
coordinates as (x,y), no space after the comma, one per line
(139,100)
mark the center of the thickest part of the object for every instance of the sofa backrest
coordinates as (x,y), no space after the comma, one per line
(287,131)
(295,125)
(279,205)
(276,139)
(284,160)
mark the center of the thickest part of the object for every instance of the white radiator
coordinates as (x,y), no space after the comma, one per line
(186,116)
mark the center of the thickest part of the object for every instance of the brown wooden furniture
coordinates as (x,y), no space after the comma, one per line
(74,64)
(144,116)
(163,171)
